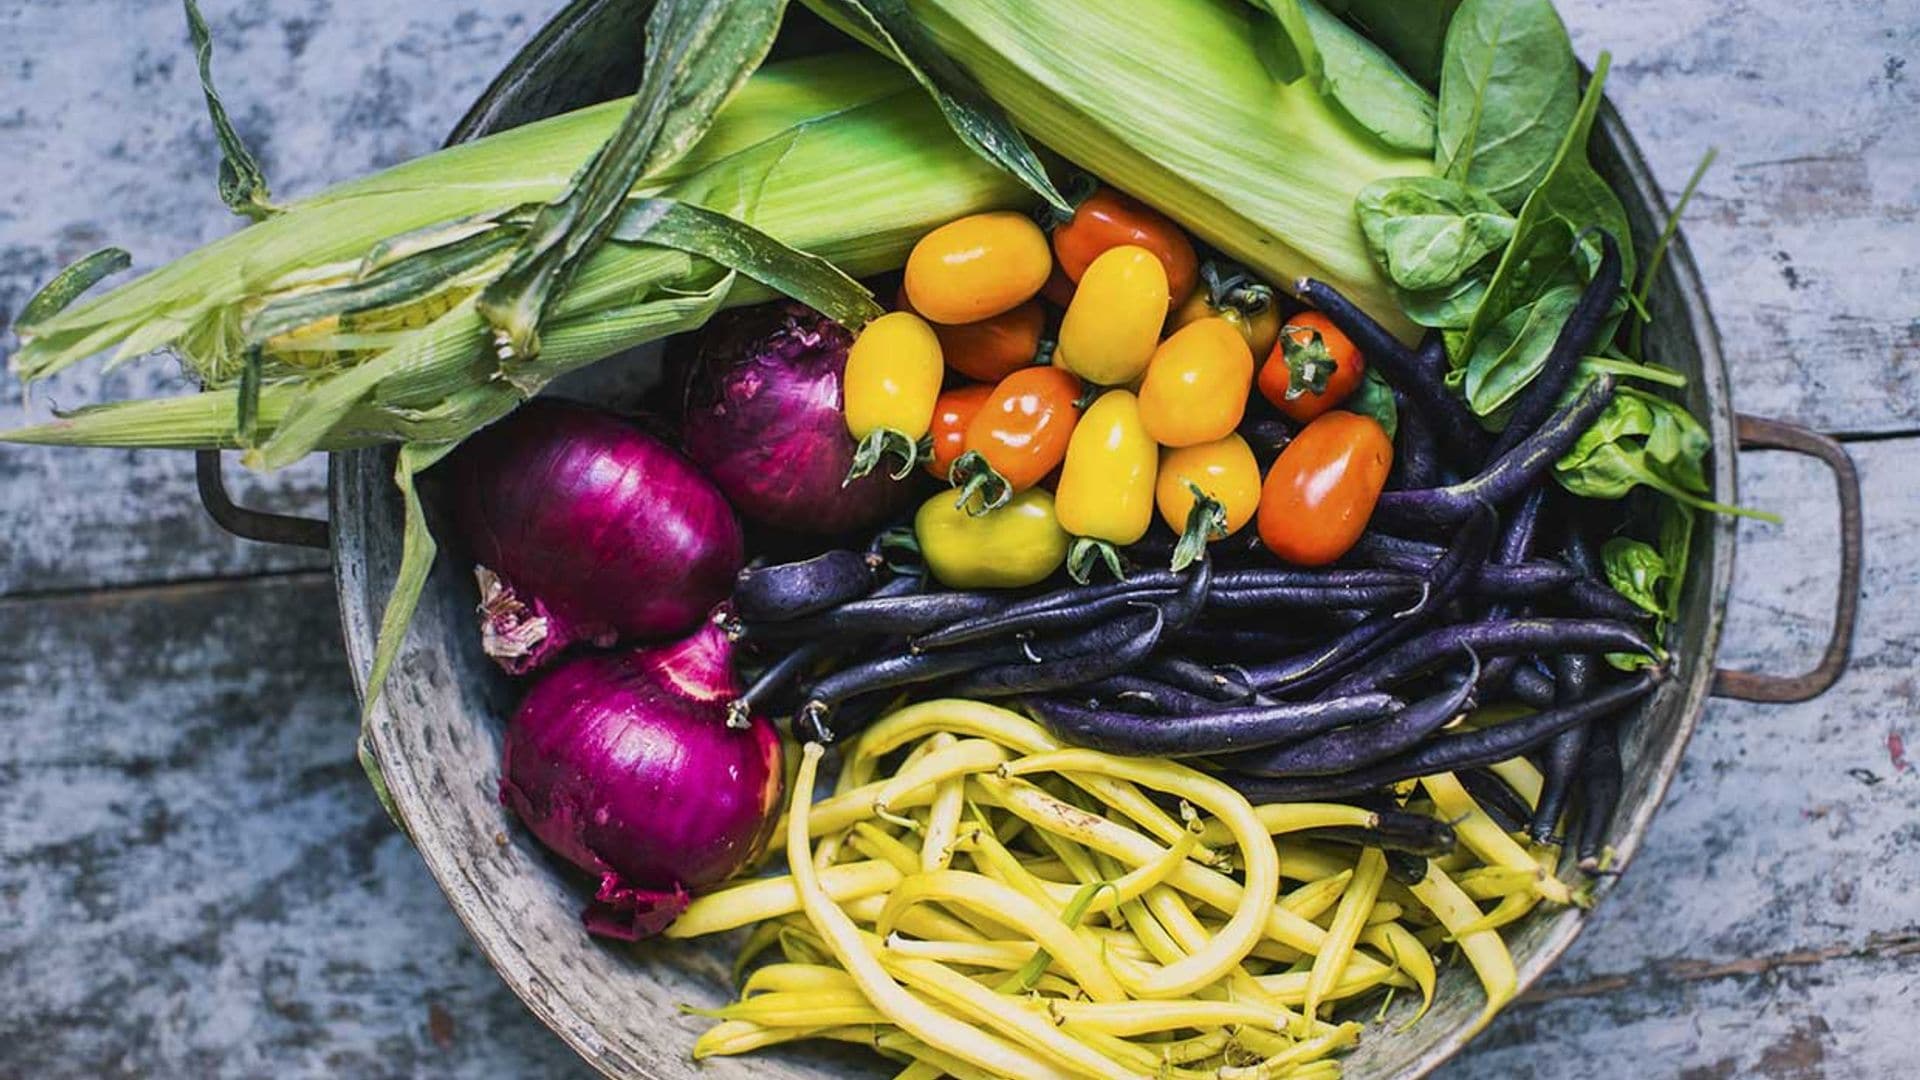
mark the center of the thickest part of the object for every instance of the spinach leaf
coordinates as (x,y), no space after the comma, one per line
(1570,200)
(1293,53)
(1659,255)
(1368,86)
(1373,397)
(1637,572)
(1644,440)
(1427,232)
(1512,353)
(1676,549)
(1449,308)
(1413,32)
(1508,87)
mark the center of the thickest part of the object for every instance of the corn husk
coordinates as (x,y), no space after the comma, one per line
(1172,102)
(841,156)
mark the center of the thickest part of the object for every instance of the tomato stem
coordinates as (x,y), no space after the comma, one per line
(877,445)
(1206,522)
(982,489)
(1081,556)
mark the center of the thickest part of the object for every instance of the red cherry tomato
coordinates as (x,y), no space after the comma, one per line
(1108,219)
(1322,489)
(1312,346)
(951,415)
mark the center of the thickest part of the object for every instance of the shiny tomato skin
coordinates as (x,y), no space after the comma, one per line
(1322,489)
(1276,375)
(1108,219)
(955,409)
(1023,428)
(976,267)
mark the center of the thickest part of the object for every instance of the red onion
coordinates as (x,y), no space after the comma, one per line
(763,419)
(624,765)
(587,529)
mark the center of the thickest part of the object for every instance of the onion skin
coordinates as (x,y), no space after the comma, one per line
(588,529)
(623,765)
(764,419)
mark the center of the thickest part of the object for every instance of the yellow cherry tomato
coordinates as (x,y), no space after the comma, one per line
(1250,309)
(1017,545)
(977,267)
(1224,470)
(1106,484)
(1196,387)
(891,383)
(1113,324)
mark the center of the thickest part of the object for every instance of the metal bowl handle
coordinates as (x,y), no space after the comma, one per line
(1758,433)
(251,524)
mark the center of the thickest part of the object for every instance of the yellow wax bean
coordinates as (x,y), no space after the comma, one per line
(958,758)
(1004,904)
(1209,887)
(995,955)
(776,978)
(1349,918)
(1004,1014)
(1311,900)
(1300,1053)
(768,898)
(730,1037)
(1143,1017)
(1483,948)
(1403,949)
(925,922)
(815,1008)
(1262,863)
(850,947)
(1484,837)
(1279,818)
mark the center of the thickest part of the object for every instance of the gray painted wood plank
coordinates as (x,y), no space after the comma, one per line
(195,879)
(107,141)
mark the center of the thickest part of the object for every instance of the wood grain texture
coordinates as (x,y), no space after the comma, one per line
(194,880)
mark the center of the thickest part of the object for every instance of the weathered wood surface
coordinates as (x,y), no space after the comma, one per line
(195,881)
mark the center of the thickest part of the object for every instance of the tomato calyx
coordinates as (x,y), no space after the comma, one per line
(1309,363)
(1087,553)
(1206,522)
(982,489)
(1230,287)
(878,444)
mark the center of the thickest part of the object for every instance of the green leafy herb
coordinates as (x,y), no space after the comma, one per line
(1449,308)
(1505,360)
(1636,571)
(1659,255)
(1373,397)
(1369,87)
(979,121)
(698,55)
(1570,200)
(1508,85)
(1644,440)
(1413,32)
(1293,53)
(1428,232)
(243,185)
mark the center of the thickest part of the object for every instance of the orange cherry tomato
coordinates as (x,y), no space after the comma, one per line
(1321,491)
(1108,219)
(1023,428)
(994,347)
(1311,346)
(951,415)
(977,266)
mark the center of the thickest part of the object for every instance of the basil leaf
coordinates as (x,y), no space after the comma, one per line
(1427,232)
(979,120)
(1369,87)
(1571,199)
(1508,88)
(1512,353)
(698,55)
(1373,397)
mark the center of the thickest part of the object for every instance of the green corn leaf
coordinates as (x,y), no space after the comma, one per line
(698,55)
(68,285)
(417,549)
(739,246)
(981,123)
(243,185)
